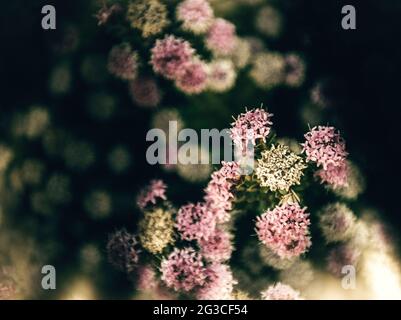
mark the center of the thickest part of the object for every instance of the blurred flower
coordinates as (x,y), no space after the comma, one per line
(145,92)
(343,255)
(219,284)
(183,270)
(149,194)
(98,204)
(119,159)
(32,171)
(162,118)
(250,126)
(105,12)
(279,168)
(94,69)
(334,176)
(218,247)
(285,230)
(195,222)
(221,75)
(32,124)
(147,280)
(195,15)
(337,222)
(355,183)
(60,79)
(58,188)
(6,155)
(325,146)
(196,170)
(79,155)
(280,291)
(299,275)
(101,105)
(273,260)
(149,16)
(192,77)
(290,143)
(294,70)
(123,62)
(269,21)
(122,250)
(90,257)
(240,295)
(169,55)
(156,230)
(268,69)
(221,37)
(242,52)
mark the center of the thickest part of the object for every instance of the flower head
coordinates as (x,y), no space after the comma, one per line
(219,284)
(106,12)
(285,230)
(149,16)
(324,146)
(335,176)
(191,78)
(221,37)
(279,168)
(269,21)
(337,222)
(196,15)
(294,70)
(145,92)
(343,255)
(169,55)
(222,75)
(195,221)
(155,190)
(219,195)
(122,250)
(183,270)
(218,247)
(250,126)
(147,280)
(123,62)
(156,230)
(280,291)
(268,69)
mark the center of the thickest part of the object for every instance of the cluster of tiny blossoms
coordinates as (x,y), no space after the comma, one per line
(279,168)
(192,245)
(325,147)
(285,230)
(173,57)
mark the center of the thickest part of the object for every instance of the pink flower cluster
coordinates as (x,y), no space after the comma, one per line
(145,92)
(219,195)
(183,270)
(175,59)
(123,62)
(169,56)
(285,230)
(155,190)
(221,37)
(250,126)
(147,280)
(195,222)
(218,247)
(196,15)
(336,176)
(192,78)
(324,146)
(219,283)
(280,291)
